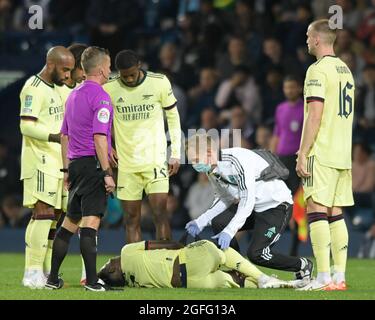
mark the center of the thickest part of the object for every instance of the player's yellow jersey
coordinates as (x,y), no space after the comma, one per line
(329,80)
(64,92)
(39,100)
(139,122)
(147,268)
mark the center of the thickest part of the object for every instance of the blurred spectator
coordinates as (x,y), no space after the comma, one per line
(239,120)
(108,27)
(363,171)
(346,41)
(320,7)
(272,94)
(263,137)
(365,105)
(240,89)
(170,60)
(14,214)
(273,58)
(244,24)
(352,62)
(73,13)
(209,119)
(367,248)
(293,30)
(6,15)
(235,56)
(352,16)
(366,30)
(202,95)
(179,93)
(9,172)
(200,197)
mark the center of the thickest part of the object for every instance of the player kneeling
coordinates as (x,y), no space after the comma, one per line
(168,264)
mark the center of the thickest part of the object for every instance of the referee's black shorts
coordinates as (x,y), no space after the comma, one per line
(87,194)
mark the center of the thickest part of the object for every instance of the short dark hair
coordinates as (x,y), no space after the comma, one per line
(126,59)
(77,49)
(92,57)
(111,274)
(293,77)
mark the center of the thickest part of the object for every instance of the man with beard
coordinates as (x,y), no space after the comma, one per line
(76,76)
(41,115)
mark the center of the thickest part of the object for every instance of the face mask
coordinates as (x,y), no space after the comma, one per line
(201,167)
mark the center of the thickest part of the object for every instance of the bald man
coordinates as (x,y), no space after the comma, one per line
(41,115)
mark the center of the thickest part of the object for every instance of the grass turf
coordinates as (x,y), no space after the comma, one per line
(360,278)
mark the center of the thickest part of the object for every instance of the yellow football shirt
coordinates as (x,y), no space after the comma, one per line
(139,122)
(41,101)
(64,92)
(329,80)
(147,268)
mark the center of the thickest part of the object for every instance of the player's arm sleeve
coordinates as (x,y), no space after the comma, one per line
(168,100)
(102,114)
(315,85)
(174,128)
(246,184)
(33,129)
(217,207)
(31,103)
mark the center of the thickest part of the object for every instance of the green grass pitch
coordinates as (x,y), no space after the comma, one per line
(360,278)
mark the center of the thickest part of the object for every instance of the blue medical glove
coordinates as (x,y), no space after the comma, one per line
(224,240)
(192,228)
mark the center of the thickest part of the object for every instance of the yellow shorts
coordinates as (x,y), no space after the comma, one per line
(130,185)
(328,186)
(42,187)
(203,260)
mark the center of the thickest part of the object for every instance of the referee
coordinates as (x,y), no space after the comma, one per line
(86,144)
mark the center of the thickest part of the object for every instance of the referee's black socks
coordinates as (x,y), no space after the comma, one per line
(88,251)
(59,250)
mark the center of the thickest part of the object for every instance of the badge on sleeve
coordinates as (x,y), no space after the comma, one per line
(28,101)
(103,115)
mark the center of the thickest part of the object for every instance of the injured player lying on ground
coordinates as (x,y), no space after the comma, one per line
(170,264)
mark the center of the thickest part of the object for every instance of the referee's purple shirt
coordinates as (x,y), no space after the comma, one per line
(88,111)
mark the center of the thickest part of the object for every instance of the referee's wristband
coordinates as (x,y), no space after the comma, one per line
(64,170)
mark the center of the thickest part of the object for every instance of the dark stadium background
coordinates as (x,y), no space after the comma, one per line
(181,38)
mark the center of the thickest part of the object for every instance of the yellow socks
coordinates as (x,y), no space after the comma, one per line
(321,244)
(339,242)
(36,238)
(48,257)
(235,261)
(27,243)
